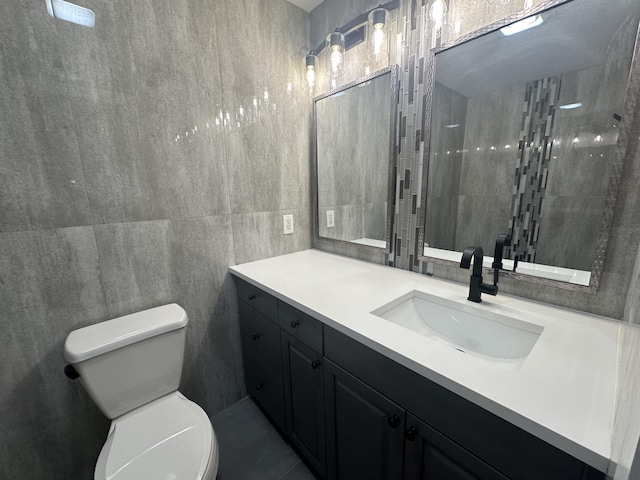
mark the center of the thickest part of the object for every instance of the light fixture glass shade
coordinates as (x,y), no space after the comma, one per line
(498,2)
(378,39)
(310,62)
(335,54)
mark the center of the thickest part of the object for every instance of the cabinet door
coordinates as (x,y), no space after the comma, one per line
(429,455)
(304,399)
(365,430)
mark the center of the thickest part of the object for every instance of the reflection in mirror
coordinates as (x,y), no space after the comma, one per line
(354,130)
(524,129)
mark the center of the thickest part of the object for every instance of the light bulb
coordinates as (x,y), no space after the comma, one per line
(311,76)
(378,40)
(336,59)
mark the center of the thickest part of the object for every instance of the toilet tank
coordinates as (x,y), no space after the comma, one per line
(129,361)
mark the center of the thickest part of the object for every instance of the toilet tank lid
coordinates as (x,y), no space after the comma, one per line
(101,338)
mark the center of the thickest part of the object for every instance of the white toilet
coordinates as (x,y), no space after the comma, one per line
(131,368)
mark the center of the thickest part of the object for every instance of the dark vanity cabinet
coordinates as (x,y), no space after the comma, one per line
(354,413)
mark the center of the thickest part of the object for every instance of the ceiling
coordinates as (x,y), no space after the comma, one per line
(307,5)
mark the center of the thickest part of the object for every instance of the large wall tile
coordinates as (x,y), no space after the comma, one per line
(41,178)
(148,148)
(49,285)
(264,77)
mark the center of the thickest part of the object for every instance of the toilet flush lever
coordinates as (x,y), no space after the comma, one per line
(71,372)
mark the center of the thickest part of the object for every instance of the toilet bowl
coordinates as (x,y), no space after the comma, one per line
(131,367)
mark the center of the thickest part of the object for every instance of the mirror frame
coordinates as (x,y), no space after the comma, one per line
(393,109)
(616,172)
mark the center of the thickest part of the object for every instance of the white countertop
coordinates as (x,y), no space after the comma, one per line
(563,393)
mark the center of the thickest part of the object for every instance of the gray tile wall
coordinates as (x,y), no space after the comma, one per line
(138,160)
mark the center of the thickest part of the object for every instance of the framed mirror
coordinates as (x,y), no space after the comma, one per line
(354,137)
(526,138)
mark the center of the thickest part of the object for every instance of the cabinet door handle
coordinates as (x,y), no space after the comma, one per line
(255,336)
(252,296)
(393,421)
(315,364)
(411,433)
(295,323)
(259,386)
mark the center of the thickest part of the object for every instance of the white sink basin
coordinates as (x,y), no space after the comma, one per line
(465,327)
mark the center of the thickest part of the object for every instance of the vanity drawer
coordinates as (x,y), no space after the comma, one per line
(261,337)
(301,326)
(265,388)
(258,299)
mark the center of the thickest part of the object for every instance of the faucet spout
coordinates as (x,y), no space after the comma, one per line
(477,254)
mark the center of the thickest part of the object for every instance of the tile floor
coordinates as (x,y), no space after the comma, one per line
(252,449)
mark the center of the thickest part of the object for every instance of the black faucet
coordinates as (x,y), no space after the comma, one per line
(476,286)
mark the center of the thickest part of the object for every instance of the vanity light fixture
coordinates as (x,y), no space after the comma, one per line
(570,106)
(453,125)
(522,25)
(310,62)
(371,27)
(71,12)
(377,46)
(335,59)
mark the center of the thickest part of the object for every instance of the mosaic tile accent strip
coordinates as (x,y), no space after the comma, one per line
(532,167)
(413,28)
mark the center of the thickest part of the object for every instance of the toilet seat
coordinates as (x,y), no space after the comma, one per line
(170,438)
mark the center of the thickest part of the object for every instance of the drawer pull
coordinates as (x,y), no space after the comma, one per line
(315,364)
(295,323)
(411,433)
(252,296)
(259,386)
(393,421)
(255,336)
